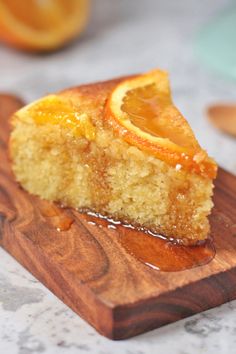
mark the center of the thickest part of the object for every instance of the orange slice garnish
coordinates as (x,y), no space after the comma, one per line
(140,109)
(57,110)
(41,25)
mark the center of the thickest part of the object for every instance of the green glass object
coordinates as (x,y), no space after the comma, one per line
(216,43)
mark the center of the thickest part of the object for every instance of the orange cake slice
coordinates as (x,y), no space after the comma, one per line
(119,148)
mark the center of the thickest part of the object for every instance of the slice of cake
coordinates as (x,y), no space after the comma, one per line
(119,148)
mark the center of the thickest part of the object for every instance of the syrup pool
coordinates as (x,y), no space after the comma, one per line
(155,250)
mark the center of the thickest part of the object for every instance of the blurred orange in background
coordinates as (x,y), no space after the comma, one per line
(41,25)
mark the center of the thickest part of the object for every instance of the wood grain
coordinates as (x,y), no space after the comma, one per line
(87,268)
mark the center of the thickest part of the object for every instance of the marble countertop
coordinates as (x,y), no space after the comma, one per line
(124,36)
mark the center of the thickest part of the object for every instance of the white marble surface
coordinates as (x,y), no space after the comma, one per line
(124,36)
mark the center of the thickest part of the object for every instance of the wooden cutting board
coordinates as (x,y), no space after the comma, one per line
(89,270)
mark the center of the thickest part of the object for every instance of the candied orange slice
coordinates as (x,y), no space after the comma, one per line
(140,109)
(57,110)
(41,25)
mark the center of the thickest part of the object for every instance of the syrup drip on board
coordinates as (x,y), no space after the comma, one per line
(152,249)
(57,215)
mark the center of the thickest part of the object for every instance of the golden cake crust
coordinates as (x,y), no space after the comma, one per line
(98,96)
